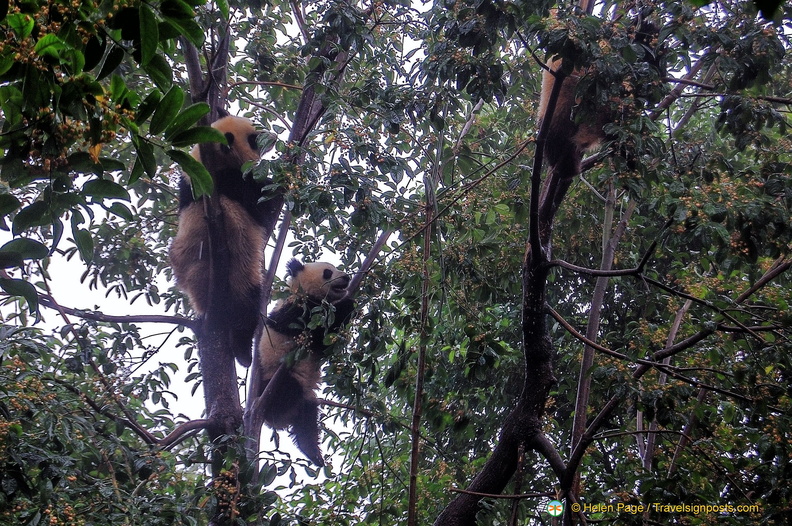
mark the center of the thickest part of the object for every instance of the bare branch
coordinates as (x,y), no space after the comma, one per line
(264,83)
(596,346)
(365,267)
(49,302)
(101,409)
(181,432)
(546,448)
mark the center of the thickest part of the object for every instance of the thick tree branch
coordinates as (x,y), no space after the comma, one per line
(523,425)
(503,496)
(181,432)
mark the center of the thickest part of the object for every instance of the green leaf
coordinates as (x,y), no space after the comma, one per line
(200,179)
(145,151)
(50,46)
(11,102)
(147,107)
(149,32)
(167,110)
(74,60)
(168,31)
(177,9)
(36,90)
(57,232)
(6,63)
(8,203)
(85,244)
(121,210)
(137,171)
(118,89)
(10,259)
(113,59)
(196,135)
(35,214)
(112,165)
(187,118)
(21,24)
(83,162)
(160,72)
(222,5)
(25,248)
(105,189)
(19,287)
(189,28)
(94,51)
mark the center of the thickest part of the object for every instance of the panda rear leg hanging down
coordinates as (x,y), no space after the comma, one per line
(285,403)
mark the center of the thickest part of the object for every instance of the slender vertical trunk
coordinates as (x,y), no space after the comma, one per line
(610,240)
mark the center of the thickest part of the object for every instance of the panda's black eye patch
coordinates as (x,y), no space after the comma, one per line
(327,274)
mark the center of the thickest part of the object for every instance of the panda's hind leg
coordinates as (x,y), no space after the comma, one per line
(285,403)
(305,430)
(280,398)
(243,327)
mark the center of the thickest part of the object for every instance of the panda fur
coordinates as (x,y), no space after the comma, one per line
(289,398)
(241,215)
(567,141)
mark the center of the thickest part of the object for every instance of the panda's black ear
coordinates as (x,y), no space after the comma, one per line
(294,267)
(222,113)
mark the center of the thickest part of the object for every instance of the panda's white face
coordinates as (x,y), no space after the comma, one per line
(241,137)
(318,280)
(242,146)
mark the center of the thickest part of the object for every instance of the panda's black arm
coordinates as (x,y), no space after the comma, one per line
(343,313)
(292,318)
(185,193)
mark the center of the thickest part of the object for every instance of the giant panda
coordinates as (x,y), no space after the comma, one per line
(290,352)
(242,217)
(567,141)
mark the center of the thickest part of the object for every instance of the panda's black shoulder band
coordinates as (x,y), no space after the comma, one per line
(343,313)
(288,319)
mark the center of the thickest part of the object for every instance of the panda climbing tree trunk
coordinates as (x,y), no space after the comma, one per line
(309,111)
(226,424)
